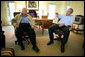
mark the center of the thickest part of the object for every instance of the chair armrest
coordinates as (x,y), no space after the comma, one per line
(69,26)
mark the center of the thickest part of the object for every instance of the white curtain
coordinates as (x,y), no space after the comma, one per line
(4,16)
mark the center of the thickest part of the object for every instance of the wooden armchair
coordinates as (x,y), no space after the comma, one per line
(60,33)
(46,25)
(15,13)
(24,36)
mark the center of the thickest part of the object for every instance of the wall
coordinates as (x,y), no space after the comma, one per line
(19,5)
(42,5)
(59,5)
(78,6)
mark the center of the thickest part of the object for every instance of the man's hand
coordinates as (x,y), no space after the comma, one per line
(17,26)
(33,26)
(61,25)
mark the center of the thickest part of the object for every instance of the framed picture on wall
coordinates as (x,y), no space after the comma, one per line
(32,5)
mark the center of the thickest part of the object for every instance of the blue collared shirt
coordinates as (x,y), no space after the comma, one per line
(67,20)
(24,19)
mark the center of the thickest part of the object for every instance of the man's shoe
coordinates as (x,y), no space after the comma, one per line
(36,49)
(50,43)
(62,48)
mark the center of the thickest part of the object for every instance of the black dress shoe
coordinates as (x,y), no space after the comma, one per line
(62,48)
(22,47)
(50,43)
(36,49)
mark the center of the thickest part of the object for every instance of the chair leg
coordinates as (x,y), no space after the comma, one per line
(39,26)
(16,43)
(58,38)
(83,45)
(42,31)
(27,41)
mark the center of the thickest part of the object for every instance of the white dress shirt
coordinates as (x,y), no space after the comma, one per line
(67,20)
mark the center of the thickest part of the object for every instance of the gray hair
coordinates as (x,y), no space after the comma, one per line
(71,10)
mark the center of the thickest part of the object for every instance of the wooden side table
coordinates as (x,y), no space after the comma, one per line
(44,22)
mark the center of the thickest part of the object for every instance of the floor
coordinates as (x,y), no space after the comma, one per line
(72,48)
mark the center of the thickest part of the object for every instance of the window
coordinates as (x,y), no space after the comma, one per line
(11,10)
(51,12)
(68,5)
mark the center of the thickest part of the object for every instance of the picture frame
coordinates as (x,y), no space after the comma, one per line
(32,5)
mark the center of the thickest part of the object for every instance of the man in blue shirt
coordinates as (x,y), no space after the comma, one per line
(24,19)
(65,21)
(23,23)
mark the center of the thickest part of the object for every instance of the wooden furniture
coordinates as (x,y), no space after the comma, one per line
(33,13)
(79,21)
(7,52)
(83,45)
(45,23)
(15,13)
(25,37)
(60,33)
(44,16)
(77,29)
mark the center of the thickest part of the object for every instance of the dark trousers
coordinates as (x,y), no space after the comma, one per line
(64,29)
(25,28)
